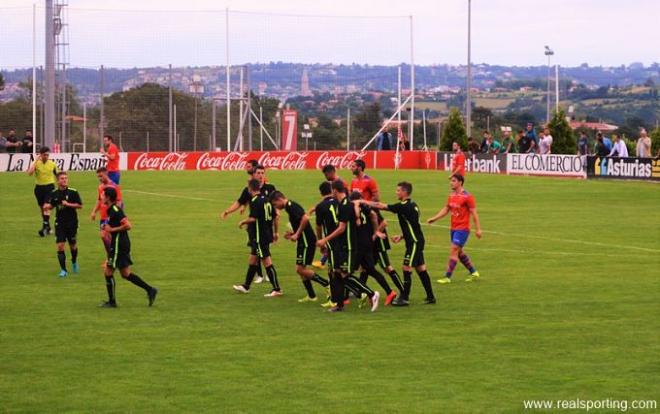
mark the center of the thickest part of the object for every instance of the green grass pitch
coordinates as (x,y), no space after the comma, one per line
(568,306)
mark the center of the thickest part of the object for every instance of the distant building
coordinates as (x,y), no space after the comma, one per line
(598,126)
(304,84)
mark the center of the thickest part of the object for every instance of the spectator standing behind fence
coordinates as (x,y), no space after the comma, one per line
(28,142)
(545,144)
(619,148)
(493,146)
(111,153)
(384,141)
(13,145)
(525,143)
(643,145)
(530,133)
(472,146)
(600,148)
(583,144)
(508,144)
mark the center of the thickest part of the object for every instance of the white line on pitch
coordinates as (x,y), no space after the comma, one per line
(167,195)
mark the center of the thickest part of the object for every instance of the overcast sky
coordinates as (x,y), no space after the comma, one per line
(128,33)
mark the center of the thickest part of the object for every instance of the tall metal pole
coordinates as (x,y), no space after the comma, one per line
(411,116)
(348,129)
(261,130)
(34,79)
(102,126)
(468,105)
(63,134)
(49,109)
(228,80)
(174,144)
(169,109)
(424,125)
(547,110)
(240,111)
(249,106)
(84,127)
(556,87)
(398,135)
(213,122)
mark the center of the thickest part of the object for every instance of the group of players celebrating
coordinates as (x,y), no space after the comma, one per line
(349,230)
(351,233)
(53,192)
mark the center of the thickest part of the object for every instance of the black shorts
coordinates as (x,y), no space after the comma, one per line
(347,261)
(119,259)
(65,233)
(414,255)
(304,254)
(364,257)
(382,258)
(261,250)
(41,193)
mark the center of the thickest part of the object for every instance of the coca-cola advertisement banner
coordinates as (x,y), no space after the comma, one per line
(278,160)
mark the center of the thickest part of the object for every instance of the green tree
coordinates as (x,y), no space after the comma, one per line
(365,124)
(655,142)
(453,130)
(2,82)
(562,134)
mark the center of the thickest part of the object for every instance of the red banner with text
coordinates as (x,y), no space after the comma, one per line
(278,160)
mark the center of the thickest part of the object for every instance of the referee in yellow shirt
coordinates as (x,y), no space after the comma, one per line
(44,171)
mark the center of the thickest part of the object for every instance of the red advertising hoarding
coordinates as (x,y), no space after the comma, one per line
(277,160)
(289,130)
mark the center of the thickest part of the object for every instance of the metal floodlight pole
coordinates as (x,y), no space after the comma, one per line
(169,109)
(49,107)
(556,87)
(213,122)
(424,125)
(34,79)
(411,116)
(468,105)
(261,130)
(398,130)
(249,106)
(548,52)
(228,79)
(102,121)
(63,133)
(241,118)
(84,127)
(348,129)
(175,137)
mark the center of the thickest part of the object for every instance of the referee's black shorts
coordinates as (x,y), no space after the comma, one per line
(66,233)
(41,193)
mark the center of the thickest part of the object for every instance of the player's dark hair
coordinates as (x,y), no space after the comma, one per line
(253,163)
(361,164)
(109,137)
(276,195)
(254,184)
(339,186)
(111,193)
(101,169)
(328,168)
(406,186)
(325,188)
(458,177)
(259,167)
(61,173)
(44,150)
(355,195)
